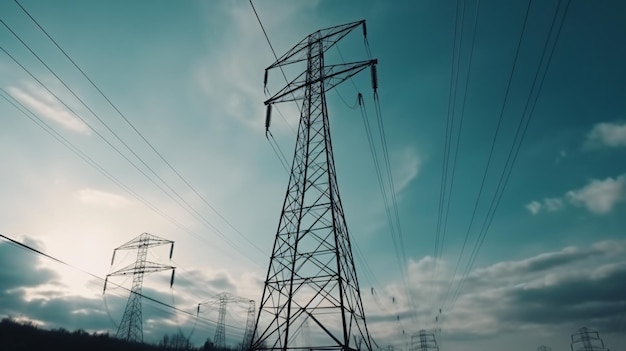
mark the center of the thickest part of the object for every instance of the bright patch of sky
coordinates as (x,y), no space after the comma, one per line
(189,76)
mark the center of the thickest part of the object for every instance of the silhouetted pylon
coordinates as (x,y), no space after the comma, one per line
(585,339)
(131,326)
(311,275)
(221,300)
(424,341)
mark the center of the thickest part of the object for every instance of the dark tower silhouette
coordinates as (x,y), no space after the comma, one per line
(131,327)
(311,274)
(248,335)
(424,341)
(221,300)
(585,339)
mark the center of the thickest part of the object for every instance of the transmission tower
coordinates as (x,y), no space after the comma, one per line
(585,339)
(221,301)
(249,334)
(131,327)
(544,348)
(424,341)
(311,272)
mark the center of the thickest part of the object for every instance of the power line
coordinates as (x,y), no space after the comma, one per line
(117,150)
(267,38)
(152,147)
(458,142)
(374,154)
(442,209)
(521,130)
(394,227)
(499,123)
(394,200)
(159,303)
(78,152)
(187,207)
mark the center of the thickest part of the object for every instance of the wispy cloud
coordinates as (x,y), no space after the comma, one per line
(607,134)
(44,104)
(102,198)
(409,165)
(549,204)
(235,80)
(598,197)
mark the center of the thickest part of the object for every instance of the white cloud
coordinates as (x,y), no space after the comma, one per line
(553,204)
(599,196)
(607,134)
(102,198)
(550,204)
(534,207)
(46,105)
(410,164)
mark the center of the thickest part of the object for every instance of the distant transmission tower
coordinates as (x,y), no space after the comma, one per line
(222,300)
(249,334)
(424,341)
(131,327)
(311,274)
(544,348)
(585,339)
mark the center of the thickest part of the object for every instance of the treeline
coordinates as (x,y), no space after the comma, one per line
(16,336)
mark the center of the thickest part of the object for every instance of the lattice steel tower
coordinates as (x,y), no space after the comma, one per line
(131,327)
(585,339)
(311,274)
(221,300)
(424,341)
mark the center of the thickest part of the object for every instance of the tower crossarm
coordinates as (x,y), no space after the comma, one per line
(150,267)
(329,36)
(215,300)
(144,241)
(332,76)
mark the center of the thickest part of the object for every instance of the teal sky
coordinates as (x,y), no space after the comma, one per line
(189,76)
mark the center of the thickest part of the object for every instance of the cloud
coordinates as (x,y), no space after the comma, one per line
(31,292)
(553,292)
(46,105)
(410,164)
(598,197)
(534,207)
(232,77)
(20,268)
(607,134)
(572,299)
(549,204)
(98,197)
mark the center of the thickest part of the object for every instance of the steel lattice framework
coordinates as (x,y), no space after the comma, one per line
(131,326)
(221,300)
(585,339)
(424,341)
(311,275)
